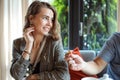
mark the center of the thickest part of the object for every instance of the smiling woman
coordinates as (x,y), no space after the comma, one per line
(11,22)
(40,46)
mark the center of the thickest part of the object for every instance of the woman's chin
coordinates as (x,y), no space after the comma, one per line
(46,34)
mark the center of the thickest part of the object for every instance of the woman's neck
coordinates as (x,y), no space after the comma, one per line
(38,40)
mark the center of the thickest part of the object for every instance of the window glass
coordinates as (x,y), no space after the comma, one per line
(100,21)
(62,10)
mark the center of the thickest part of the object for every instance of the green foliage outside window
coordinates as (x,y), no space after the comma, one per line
(62,11)
(100,21)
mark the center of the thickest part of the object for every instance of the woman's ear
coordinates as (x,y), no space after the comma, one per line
(30,18)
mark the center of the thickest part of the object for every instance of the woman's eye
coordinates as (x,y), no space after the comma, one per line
(48,19)
(45,18)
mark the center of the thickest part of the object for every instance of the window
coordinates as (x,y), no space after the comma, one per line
(62,11)
(86,23)
(100,21)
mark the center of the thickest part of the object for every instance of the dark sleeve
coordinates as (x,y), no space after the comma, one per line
(60,71)
(19,64)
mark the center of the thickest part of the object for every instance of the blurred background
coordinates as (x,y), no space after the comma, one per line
(84,23)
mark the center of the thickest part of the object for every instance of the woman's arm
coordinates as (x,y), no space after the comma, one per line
(19,64)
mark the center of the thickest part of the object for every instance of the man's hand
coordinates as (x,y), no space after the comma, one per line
(75,62)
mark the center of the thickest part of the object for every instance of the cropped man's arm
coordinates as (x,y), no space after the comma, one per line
(95,66)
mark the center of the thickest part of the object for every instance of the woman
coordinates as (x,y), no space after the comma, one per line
(39,54)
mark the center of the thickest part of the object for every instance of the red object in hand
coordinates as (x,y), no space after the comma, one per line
(78,75)
(76,51)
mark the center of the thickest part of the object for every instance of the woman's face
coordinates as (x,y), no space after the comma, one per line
(43,21)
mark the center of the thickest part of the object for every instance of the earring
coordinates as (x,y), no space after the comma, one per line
(31,24)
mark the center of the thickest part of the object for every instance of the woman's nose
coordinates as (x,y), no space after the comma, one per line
(50,22)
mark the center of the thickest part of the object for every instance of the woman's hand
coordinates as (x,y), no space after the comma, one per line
(29,38)
(75,62)
(28,35)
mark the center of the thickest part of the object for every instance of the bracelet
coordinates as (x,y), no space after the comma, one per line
(26,55)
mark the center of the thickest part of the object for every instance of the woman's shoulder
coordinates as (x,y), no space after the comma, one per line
(52,41)
(19,40)
(19,44)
